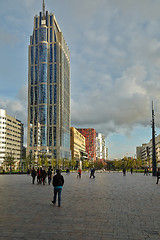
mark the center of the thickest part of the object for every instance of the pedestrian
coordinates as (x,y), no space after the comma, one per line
(39,176)
(145,171)
(124,171)
(92,173)
(58,182)
(131,170)
(158,175)
(79,173)
(49,174)
(44,176)
(33,174)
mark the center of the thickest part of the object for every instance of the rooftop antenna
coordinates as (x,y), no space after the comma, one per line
(43,10)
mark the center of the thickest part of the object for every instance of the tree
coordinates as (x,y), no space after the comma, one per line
(9,160)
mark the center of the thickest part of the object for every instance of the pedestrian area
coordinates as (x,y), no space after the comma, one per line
(111,206)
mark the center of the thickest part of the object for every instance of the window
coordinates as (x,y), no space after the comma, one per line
(55,53)
(36,74)
(43,52)
(36,54)
(51,20)
(51,35)
(32,55)
(42,34)
(31,75)
(55,73)
(51,54)
(55,94)
(43,114)
(50,76)
(43,93)
(43,73)
(50,94)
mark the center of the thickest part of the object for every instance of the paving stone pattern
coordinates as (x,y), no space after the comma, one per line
(111,206)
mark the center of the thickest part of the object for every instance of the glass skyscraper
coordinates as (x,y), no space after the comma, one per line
(48,90)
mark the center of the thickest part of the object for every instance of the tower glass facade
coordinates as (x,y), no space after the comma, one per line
(48,90)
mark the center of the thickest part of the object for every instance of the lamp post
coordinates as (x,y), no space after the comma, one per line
(154,167)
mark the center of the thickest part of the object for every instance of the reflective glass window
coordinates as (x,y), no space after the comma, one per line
(55,94)
(55,115)
(42,93)
(51,54)
(50,115)
(51,35)
(42,34)
(35,115)
(36,54)
(44,136)
(43,114)
(31,115)
(40,18)
(50,136)
(36,36)
(50,75)
(31,136)
(32,55)
(36,22)
(54,135)
(47,18)
(43,73)
(51,20)
(36,95)
(31,75)
(50,94)
(35,136)
(36,74)
(55,53)
(31,95)
(54,36)
(55,73)
(43,52)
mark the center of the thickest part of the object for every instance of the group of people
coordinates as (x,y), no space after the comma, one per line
(41,175)
(57,181)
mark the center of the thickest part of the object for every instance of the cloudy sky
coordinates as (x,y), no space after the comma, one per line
(115,64)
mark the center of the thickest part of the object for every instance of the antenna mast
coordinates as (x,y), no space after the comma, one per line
(43,9)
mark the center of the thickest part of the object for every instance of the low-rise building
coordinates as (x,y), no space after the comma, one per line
(11,138)
(77,145)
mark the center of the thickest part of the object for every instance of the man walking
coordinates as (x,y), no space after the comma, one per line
(58,182)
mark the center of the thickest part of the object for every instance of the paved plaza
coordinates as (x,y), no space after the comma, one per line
(111,206)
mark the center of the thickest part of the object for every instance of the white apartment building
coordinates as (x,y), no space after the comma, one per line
(11,137)
(145,151)
(100,147)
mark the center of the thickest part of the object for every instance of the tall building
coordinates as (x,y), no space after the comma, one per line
(48,90)
(77,145)
(100,147)
(90,136)
(11,138)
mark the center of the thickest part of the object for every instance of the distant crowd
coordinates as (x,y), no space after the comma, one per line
(41,175)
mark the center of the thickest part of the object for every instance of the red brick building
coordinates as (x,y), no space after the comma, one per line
(90,136)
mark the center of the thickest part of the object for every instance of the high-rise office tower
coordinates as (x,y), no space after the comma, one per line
(48,90)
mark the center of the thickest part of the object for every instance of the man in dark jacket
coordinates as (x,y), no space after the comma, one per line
(58,182)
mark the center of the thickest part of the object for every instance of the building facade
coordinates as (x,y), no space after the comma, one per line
(144,152)
(11,138)
(90,138)
(100,147)
(48,90)
(77,145)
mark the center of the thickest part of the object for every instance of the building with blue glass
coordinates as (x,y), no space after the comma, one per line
(48,90)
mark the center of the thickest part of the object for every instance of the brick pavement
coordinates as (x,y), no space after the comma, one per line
(111,207)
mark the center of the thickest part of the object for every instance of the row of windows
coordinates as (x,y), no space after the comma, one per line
(43,94)
(43,74)
(43,34)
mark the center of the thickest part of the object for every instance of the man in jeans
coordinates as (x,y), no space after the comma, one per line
(58,182)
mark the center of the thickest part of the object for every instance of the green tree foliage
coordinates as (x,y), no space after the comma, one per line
(9,160)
